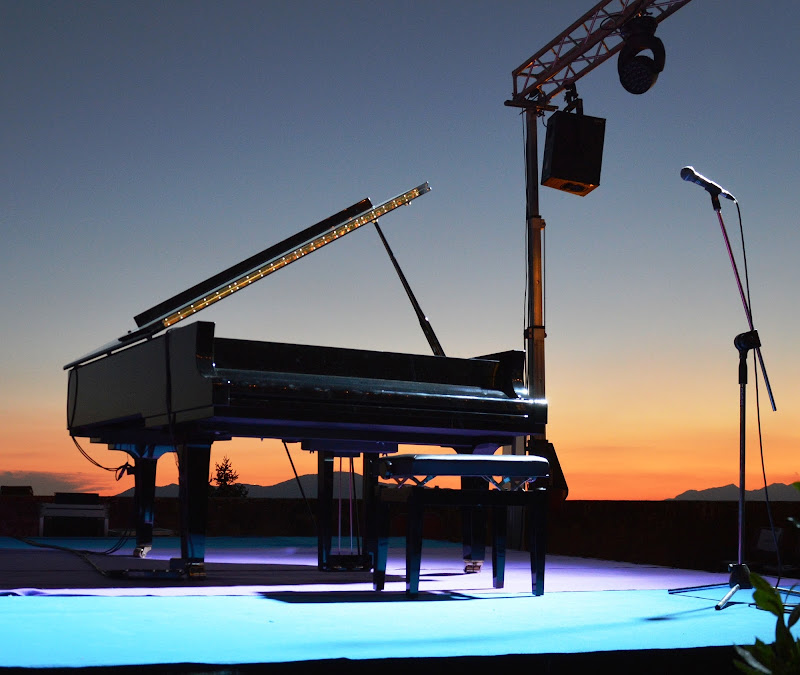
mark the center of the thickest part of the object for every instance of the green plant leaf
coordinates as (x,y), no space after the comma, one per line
(751,665)
(766,597)
(784,642)
(794,616)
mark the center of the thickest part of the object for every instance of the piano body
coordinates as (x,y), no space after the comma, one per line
(184,389)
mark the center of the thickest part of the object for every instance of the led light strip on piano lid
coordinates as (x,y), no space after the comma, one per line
(299,252)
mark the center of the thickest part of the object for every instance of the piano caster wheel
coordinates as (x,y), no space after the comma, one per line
(141,551)
(472,566)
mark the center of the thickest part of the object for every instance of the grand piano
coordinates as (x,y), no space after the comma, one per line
(149,394)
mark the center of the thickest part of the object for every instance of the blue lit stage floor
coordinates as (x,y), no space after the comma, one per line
(264,607)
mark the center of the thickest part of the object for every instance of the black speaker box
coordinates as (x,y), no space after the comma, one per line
(573,152)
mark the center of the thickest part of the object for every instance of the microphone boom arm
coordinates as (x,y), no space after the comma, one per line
(745,304)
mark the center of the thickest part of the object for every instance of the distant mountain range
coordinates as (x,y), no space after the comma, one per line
(778,492)
(287,490)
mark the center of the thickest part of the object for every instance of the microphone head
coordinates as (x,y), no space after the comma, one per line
(688,172)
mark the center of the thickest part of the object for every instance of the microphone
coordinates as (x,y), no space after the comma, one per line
(688,173)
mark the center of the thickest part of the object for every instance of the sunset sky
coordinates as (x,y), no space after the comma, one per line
(148,145)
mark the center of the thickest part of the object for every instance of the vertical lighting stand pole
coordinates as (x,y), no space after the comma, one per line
(534,329)
(534,311)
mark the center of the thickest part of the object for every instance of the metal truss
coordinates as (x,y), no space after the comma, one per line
(587,43)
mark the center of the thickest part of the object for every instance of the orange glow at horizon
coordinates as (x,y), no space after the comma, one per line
(651,444)
(670,463)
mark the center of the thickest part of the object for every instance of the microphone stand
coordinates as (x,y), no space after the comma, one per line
(744,342)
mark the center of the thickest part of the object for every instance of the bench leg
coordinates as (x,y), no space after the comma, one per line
(381,544)
(537,528)
(414,542)
(499,537)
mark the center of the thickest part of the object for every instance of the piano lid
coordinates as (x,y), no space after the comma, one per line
(250,270)
(222,279)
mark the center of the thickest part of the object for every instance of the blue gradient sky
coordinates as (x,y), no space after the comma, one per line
(148,145)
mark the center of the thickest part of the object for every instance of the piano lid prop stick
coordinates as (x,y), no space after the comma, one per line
(424,323)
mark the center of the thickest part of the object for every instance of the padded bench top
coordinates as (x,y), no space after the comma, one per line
(512,466)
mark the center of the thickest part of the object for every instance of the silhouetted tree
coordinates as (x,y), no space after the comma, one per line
(225,479)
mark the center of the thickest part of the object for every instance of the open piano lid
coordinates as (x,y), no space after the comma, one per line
(250,270)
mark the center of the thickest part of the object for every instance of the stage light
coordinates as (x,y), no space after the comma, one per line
(639,72)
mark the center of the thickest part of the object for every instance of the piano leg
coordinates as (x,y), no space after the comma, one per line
(380,550)
(144,497)
(145,456)
(537,538)
(499,538)
(414,540)
(371,516)
(324,507)
(193,471)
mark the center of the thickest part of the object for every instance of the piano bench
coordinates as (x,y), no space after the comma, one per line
(501,472)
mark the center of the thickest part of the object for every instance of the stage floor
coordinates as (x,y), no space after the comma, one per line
(264,606)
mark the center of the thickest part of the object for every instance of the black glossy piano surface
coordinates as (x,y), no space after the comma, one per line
(188,385)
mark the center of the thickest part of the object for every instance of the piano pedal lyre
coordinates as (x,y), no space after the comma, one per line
(349,563)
